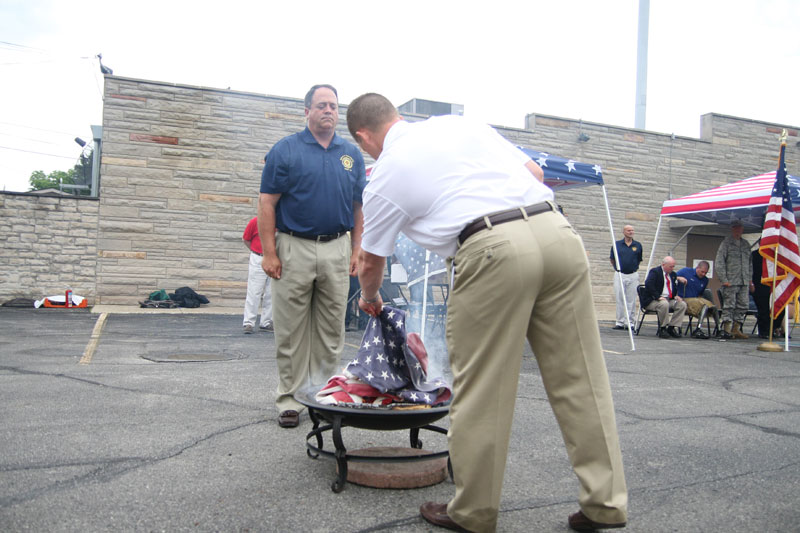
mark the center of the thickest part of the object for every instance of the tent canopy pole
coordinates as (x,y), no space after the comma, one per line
(617,271)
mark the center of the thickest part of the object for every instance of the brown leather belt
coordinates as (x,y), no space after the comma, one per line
(318,238)
(501,217)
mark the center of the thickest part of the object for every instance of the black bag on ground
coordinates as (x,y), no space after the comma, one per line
(186,297)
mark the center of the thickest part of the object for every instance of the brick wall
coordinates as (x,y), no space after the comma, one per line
(181,169)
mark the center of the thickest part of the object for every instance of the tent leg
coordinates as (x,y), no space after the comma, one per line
(618,273)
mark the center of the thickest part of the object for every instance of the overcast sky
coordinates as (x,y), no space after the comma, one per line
(500,59)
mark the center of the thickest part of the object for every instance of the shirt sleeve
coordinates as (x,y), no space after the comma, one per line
(383,221)
(275,177)
(361,179)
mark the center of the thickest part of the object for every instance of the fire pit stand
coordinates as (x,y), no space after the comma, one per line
(338,417)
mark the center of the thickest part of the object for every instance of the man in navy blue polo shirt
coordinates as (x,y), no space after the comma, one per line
(627,277)
(693,286)
(311,193)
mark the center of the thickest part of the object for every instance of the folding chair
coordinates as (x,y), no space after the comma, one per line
(642,310)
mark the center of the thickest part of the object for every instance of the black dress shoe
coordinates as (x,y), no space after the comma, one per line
(436,514)
(672,332)
(617,326)
(580,522)
(700,334)
(662,333)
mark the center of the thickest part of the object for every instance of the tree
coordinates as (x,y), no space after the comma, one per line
(80,174)
(39,180)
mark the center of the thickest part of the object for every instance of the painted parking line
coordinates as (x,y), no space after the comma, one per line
(94,340)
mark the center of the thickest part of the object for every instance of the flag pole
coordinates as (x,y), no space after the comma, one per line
(773,346)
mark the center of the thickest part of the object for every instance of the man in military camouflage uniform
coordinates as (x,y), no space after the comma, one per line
(734,270)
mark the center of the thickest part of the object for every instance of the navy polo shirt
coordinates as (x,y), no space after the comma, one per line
(317,185)
(629,256)
(694,285)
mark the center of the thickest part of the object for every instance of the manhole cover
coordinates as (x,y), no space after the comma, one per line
(193,357)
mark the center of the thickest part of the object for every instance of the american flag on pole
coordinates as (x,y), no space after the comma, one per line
(389,367)
(779,242)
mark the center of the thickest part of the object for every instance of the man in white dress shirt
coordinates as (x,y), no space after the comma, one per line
(518,270)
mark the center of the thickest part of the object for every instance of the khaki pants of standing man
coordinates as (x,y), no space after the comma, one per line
(527,278)
(308,312)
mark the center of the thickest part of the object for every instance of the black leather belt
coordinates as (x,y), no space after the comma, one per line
(318,238)
(253,251)
(501,217)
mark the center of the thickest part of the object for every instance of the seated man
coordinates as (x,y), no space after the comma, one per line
(661,295)
(693,284)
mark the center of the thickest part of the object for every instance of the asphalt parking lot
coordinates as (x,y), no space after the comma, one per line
(164,422)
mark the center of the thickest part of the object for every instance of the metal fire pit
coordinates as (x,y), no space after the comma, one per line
(378,419)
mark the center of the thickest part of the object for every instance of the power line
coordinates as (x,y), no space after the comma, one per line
(35,128)
(33,152)
(31,139)
(22,47)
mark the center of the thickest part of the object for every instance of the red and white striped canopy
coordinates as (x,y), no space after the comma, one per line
(744,200)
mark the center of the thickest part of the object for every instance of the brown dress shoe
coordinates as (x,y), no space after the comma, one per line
(289,419)
(436,514)
(580,522)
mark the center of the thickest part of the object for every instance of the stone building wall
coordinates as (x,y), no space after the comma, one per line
(181,170)
(47,244)
(180,176)
(641,170)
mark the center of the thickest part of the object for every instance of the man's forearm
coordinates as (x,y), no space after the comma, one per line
(358,227)
(266,223)
(370,273)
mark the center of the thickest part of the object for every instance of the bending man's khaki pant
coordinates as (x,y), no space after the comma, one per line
(662,309)
(527,279)
(308,308)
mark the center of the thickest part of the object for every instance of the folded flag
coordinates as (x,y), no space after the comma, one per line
(390,367)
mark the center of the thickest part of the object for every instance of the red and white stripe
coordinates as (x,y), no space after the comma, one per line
(744,193)
(779,246)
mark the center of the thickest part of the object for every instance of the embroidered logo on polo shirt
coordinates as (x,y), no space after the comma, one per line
(633,248)
(347,162)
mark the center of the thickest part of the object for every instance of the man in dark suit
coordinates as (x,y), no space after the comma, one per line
(661,295)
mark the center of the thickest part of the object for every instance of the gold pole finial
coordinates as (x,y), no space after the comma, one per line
(784,136)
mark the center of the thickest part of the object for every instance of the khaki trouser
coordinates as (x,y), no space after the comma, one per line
(527,279)
(695,305)
(662,309)
(308,313)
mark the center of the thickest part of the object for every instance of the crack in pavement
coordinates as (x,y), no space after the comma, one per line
(733,419)
(114,468)
(60,375)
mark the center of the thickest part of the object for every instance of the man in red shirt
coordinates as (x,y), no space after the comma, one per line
(258,289)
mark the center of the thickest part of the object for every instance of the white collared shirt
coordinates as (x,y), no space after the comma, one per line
(435,176)
(665,290)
